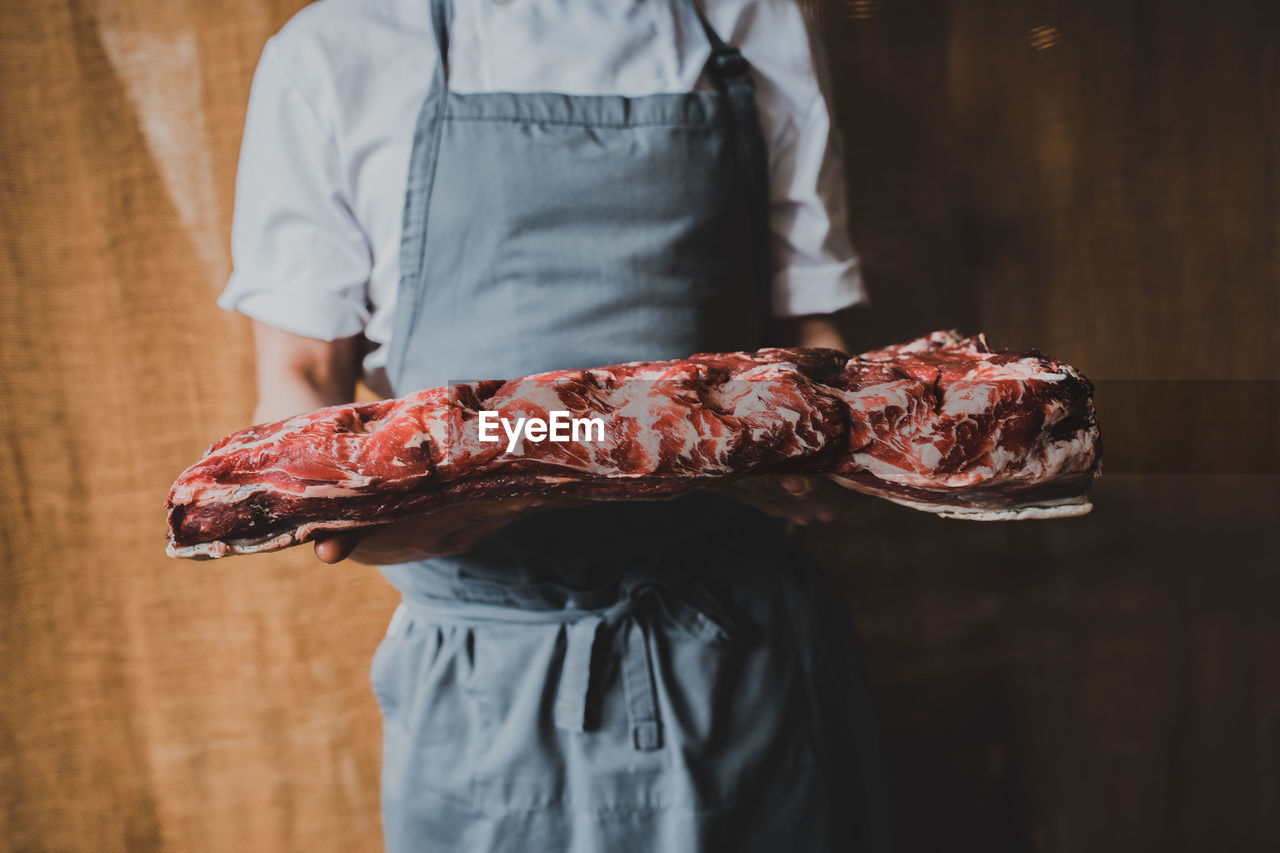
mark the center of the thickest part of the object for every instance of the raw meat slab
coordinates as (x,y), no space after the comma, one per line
(941,424)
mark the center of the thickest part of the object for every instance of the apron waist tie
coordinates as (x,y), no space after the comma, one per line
(692,611)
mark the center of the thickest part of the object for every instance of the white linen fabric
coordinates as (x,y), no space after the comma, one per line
(324,160)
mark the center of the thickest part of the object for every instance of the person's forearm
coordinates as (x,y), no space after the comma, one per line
(291,396)
(297,374)
(814,330)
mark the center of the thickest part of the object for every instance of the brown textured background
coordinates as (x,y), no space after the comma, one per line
(1094,178)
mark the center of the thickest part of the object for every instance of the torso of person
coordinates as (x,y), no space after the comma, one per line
(325,160)
(584,182)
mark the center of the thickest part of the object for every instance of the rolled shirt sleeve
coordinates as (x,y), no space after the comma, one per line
(301,261)
(815,267)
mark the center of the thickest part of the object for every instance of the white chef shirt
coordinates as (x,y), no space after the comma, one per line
(324,161)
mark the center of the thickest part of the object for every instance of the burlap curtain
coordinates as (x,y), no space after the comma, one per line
(146,703)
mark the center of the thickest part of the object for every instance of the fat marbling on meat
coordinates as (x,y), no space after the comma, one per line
(941,423)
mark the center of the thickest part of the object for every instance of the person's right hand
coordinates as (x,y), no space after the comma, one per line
(451,530)
(801,499)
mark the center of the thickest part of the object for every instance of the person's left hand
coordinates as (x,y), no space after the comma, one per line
(800,499)
(450,530)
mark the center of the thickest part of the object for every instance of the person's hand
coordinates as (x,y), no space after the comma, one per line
(451,530)
(800,499)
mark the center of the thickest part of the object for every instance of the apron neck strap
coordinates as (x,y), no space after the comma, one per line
(726,65)
(441,18)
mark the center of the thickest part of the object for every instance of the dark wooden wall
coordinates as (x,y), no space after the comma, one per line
(1098,179)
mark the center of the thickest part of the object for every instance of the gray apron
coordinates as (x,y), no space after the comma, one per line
(663,676)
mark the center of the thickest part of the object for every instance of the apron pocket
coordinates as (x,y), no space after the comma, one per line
(421,674)
(709,740)
(380,669)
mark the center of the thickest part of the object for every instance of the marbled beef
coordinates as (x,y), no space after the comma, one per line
(941,423)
